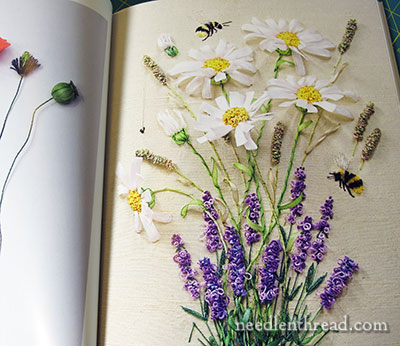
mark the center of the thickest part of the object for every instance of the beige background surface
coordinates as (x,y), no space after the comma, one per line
(141,289)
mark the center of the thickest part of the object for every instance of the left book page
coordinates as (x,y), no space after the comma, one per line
(50,211)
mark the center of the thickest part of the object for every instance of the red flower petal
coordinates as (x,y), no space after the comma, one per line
(3,44)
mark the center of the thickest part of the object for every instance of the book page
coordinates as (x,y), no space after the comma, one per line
(142,291)
(52,204)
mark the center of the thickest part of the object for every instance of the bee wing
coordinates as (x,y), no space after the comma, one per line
(342,162)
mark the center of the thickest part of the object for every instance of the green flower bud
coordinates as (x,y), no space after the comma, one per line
(172,51)
(226,80)
(64,92)
(181,137)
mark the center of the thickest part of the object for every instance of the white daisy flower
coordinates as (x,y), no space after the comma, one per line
(166,44)
(173,126)
(308,93)
(239,114)
(215,66)
(138,201)
(291,36)
(165,41)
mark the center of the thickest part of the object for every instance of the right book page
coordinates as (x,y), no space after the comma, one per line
(142,290)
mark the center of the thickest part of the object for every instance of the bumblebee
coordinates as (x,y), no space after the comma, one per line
(347,181)
(208,29)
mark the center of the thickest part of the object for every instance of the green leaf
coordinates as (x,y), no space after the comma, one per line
(295,335)
(316,284)
(283,234)
(193,313)
(275,342)
(293,294)
(227,339)
(264,108)
(292,204)
(309,339)
(309,277)
(291,240)
(232,323)
(214,172)
(243,168)
(212,341)
(246,315)
(286,52)
(206,310)
(253,225)
(280,62)
(185,209)
(303,126)
(221,262)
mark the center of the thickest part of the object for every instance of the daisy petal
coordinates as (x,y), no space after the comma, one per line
(122,175)
(136,179)
(122,190)
(250,144)
(149,227)
(343,111)
(162,217)
(298,60)
(241,78)
(138,224)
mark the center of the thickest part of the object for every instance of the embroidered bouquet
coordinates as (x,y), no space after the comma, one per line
(263,251)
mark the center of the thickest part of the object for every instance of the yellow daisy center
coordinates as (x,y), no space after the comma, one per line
(135,201)
(218,64)
(310,94)
(290,38)
(233,116)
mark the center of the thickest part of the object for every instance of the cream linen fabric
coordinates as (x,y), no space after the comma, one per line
(141,289)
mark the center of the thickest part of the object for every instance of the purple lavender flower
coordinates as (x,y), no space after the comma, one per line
(184,260)
(252,201)
(236,266)
(215,295)
(268,290)
(298,187)
(303,243)
(213,241)
(318,247)
(338,281)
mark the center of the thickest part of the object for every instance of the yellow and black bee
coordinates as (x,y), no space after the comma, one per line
(208,29)
(347,181)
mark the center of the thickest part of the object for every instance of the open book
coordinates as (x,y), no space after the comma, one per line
(55,227)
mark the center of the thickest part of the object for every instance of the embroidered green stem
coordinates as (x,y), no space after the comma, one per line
(289,170)
(181,100)
(217,187)
(174,190)
(224,92)
(355,148)
(11,105)
(190,181)
(311,136)
(277,210)
(238,160)
(16,157)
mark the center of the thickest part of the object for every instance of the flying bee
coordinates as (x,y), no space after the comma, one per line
(347,181)
(208,29)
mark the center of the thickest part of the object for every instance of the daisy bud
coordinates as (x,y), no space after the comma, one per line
(166,44)
(371,144)
(156,159)
(173,126)
(64,93)
(363,122)
(351,28)
(277,137)
(155,69)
